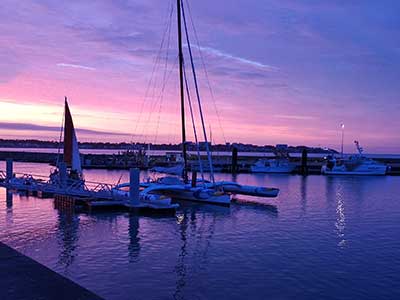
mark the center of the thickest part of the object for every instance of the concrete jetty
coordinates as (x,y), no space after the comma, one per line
(24,278)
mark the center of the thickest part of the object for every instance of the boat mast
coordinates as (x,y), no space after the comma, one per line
(184,175)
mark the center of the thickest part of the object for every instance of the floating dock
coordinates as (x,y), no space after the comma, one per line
(85,194)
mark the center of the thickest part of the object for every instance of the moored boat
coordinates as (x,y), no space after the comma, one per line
(356,164)
(278,165)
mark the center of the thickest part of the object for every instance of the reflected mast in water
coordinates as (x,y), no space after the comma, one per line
(67,233)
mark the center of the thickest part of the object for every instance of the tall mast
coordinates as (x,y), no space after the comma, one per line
(184,175)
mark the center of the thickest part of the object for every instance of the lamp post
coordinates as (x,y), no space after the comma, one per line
(342,126)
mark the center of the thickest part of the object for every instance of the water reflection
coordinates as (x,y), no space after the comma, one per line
(340,223)
(207,250)
(9,199)
(341,218)
(9,207)
(303,194)
(329,191)
(335,194)
(67,235)
(180,268)
(134,239)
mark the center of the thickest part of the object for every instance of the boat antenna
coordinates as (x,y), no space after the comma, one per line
(359,148)
(342,126)
(184,173)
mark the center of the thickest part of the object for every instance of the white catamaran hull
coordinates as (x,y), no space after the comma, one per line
(199,196)
(183,192)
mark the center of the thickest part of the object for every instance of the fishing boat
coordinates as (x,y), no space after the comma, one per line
(278,165)
(356,164)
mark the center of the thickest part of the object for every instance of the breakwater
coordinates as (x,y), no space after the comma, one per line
(222,160)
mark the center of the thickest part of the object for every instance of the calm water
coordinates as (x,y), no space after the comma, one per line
(323,238)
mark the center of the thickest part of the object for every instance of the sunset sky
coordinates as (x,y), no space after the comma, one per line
(280,71)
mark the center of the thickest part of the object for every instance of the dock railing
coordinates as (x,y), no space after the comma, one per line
(75,187)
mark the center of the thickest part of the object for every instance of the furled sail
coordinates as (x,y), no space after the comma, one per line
(71,150)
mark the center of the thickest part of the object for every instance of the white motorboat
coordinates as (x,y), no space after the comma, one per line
(278,165)
(356,164)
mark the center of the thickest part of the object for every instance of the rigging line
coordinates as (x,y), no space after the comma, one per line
(158,57)
(193,124)
(164,76)
(160,97)
(198,95)
(153,96)
(61,136)
(206,74)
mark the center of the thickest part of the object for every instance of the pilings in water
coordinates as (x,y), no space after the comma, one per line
(64,202)
(134,180)
(304,158)
(194,178)
(234,167)
(9,198)
(9,169)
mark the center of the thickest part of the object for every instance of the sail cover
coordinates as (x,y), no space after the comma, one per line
(71,150)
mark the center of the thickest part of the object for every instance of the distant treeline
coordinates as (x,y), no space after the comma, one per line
(7,143)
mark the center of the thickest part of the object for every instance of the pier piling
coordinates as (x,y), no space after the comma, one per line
(304,167)
(9,198)
(234,160)
(9,169)
(194,178)
(134,186)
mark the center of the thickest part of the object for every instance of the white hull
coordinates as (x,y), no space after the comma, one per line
(273,166)
(175,189)
(375,173)
(283,169)
(354,165)
(369,170)
(189,195)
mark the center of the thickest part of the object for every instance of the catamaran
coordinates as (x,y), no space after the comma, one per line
(356,164)
(201,190)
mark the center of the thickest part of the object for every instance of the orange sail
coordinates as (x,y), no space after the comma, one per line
(71,150)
